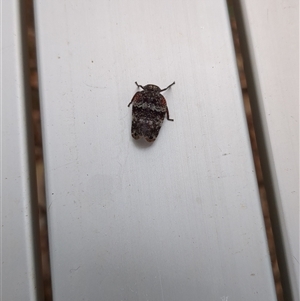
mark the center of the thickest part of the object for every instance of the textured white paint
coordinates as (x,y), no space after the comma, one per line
(272,29)
(176,220)
(20,277)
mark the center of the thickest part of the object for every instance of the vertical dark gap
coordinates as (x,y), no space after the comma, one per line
(266,161)
(255,152)
(28,127)
(39,163)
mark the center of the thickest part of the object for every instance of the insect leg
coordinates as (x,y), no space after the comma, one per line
(132,100)
(167,87)
(168,116)
(135,96)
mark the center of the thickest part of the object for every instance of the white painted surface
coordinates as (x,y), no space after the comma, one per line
(20,278)
(177,220)
(272,29)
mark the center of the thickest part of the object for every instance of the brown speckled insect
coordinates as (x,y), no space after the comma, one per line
(148,112)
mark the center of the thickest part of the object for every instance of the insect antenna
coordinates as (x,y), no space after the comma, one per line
(167,87)
(140,86)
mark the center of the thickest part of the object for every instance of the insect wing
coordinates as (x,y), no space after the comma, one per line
(148,112)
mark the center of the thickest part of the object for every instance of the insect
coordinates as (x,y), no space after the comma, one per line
(148,112)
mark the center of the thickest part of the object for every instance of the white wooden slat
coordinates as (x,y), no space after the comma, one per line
(271,30)
(20,270)
(176,220)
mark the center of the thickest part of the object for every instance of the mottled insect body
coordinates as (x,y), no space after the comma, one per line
(149,109)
